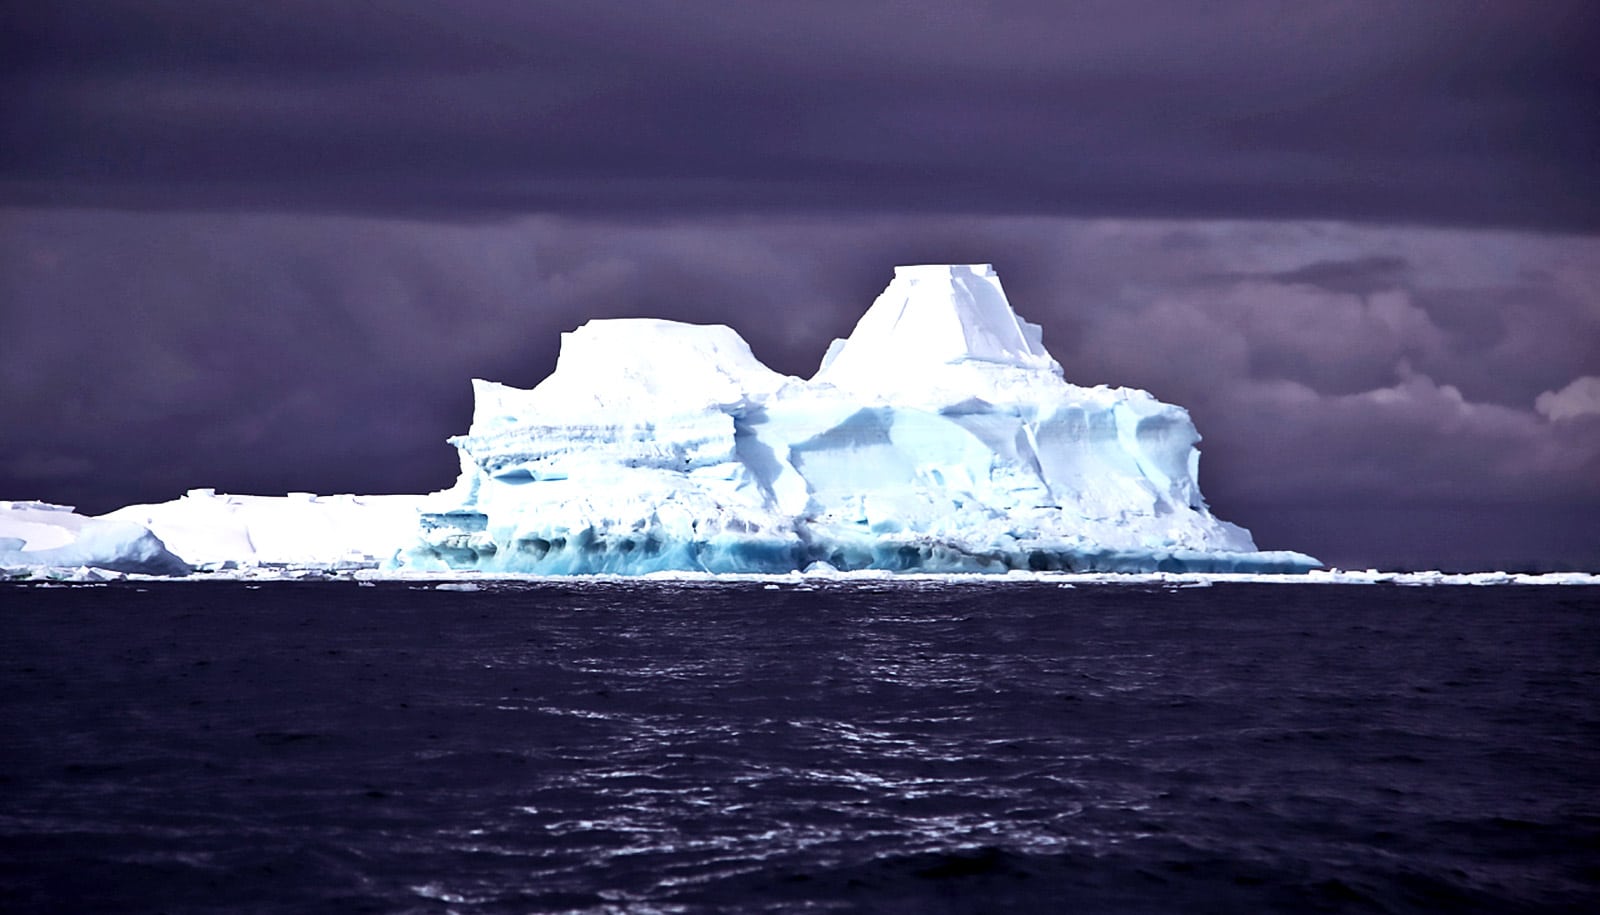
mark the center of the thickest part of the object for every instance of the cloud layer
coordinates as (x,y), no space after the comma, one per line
(1371,109)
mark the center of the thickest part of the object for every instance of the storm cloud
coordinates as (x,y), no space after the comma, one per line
(1454,113)
(265,250)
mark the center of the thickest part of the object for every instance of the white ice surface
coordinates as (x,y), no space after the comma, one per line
(932,316)
(208,528)
(38,534)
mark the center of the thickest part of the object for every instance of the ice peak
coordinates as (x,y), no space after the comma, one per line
(930,315)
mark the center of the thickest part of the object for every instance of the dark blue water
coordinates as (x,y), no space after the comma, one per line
(306,747)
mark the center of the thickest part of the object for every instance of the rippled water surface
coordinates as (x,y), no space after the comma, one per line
(304,747)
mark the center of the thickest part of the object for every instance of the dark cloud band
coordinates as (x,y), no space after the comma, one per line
(1386,111)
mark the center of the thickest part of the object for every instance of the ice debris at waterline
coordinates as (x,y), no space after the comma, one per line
(939,437)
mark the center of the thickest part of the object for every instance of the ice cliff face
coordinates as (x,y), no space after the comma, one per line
(940,436)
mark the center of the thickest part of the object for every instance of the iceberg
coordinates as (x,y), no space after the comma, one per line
(939,437)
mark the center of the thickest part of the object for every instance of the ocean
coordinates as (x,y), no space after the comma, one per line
(828,747)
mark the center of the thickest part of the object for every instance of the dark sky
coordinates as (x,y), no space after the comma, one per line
(264,247)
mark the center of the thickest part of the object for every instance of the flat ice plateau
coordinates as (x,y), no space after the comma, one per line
(940,438)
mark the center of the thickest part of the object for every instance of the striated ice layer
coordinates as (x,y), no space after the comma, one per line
(939,437)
